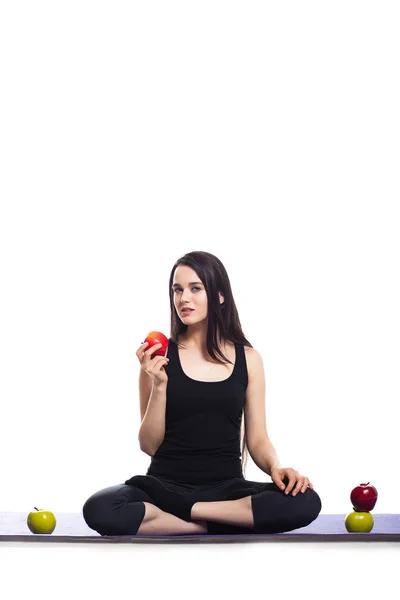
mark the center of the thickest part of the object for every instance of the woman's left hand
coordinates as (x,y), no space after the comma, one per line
(301,482)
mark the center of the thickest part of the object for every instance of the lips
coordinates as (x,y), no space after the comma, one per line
(186,310)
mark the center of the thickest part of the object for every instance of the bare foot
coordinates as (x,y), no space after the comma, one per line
(202,526)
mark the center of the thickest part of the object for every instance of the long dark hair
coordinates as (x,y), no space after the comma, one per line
(223,319)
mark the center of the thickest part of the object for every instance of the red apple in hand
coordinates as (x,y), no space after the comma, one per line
(155,337)
(364,497)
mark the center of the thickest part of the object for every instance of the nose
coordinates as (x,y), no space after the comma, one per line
(184,297)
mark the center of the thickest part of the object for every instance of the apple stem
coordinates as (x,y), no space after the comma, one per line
(35,508)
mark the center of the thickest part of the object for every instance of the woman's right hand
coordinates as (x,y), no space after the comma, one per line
(153,366)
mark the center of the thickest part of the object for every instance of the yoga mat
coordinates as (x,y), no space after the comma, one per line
(71,527)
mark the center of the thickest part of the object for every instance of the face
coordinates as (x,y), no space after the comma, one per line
(189,291)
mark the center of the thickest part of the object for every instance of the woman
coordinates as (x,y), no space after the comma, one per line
(192,402)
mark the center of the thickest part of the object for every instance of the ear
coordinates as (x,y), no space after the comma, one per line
(221,298)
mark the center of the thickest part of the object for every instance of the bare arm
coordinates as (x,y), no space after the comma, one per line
(153,402)
(264,456)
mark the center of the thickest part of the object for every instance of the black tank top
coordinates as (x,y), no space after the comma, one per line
(202,424)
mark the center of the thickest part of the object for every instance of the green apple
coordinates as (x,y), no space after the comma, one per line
(42,521)
(359,521)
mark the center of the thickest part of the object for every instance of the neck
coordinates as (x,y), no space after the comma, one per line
(195,340)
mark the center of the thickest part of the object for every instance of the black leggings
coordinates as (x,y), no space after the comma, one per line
(119,509)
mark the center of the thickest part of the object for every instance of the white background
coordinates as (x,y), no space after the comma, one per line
(134,132)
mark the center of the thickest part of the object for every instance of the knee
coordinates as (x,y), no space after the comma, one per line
(98,505)
(116,510)
(274,512)
(310,507)
(91,511)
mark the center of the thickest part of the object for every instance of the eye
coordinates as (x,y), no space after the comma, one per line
(193,288)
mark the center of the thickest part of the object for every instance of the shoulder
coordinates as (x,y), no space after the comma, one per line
(253,359)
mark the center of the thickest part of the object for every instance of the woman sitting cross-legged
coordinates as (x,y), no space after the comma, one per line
(192,402)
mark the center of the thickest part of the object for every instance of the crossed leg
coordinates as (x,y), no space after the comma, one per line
(232,512)
(266,510)
(159,522)
(126,510)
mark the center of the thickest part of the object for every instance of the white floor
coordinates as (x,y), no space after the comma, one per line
(343,571)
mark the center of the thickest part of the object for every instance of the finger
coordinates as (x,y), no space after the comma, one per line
(292,481)
(152,349)
(305,485)
(300,487)
(141,348)
(149,352)
(277,479)
(161,361)
(158,361)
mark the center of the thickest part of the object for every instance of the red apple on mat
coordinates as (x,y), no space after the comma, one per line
(42,521)
(155,337)
(364,497)
(359,522)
